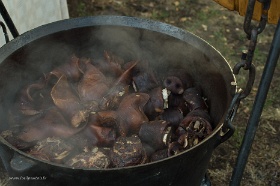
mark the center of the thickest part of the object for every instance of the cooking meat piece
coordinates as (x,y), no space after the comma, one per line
(51,149)
(127,151)
(94,159)
(70,105)
(130,113)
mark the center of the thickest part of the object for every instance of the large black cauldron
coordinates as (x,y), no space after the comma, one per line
(25,58)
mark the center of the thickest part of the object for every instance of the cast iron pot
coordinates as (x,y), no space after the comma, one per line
(26,57)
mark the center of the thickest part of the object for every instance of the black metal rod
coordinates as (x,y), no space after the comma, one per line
(253,121)
(8,20)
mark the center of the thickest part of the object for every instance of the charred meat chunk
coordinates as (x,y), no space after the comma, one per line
(127,151)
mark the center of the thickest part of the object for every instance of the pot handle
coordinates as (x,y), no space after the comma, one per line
(13,161)
(8,21)
(5,32)
(5,156)
(20,163)
(228,129)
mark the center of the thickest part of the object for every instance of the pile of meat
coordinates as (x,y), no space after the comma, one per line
(108,113)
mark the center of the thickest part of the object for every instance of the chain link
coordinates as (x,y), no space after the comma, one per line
(252,32)
(248,27)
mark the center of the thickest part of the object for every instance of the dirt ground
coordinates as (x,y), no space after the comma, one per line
(224,30)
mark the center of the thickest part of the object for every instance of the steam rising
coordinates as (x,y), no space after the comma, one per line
(161,51)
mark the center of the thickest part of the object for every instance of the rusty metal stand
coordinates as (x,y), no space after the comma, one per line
(253,121)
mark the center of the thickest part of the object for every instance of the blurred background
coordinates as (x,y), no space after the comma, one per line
(221,28)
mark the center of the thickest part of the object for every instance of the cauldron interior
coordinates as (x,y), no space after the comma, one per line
(36,52)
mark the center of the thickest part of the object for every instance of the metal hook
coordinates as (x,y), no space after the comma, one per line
(8,20)
(5,31)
